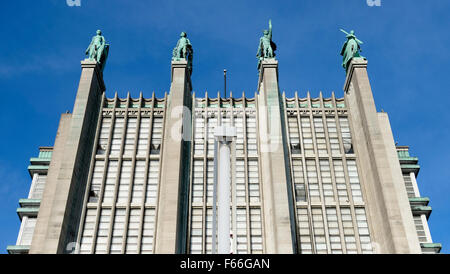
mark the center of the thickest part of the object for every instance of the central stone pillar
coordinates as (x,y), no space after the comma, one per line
(388,209)
(279,232)
(60,209)
(171,227)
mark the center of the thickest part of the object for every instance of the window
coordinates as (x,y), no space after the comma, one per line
(104,135)
(117,136)
(196,242)
(130,136)
(156,135)
(212,122)
(138,182)
(346,135)
(133,231)
(124,182)
(117,233)
(103,231)
(241,231)
(327,185)
(197,182)
(349,233)
(152,182)
(313,183)
(299,181)
(363,230)
(28,225)
(148,231)
(88,231)
(340,180)
(333,231)
(333,136)
(238,123)
(320,136)
(240,182)
(304,231)
(253,181)
(144,131)
(255,231)
(110,182)
(96,182)
(294,134)
(251,135)
(38,186)
(354,181)
(199,143)
(307,135)
(319,231)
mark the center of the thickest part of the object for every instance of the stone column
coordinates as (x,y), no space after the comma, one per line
(390,218)
(61,204)
(279,227)
(171,226)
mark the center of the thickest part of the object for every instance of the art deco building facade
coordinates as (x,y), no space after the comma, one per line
(310,175)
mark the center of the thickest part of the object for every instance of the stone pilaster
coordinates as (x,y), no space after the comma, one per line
(61,204)
(388,209)
(171,227)
(279,227)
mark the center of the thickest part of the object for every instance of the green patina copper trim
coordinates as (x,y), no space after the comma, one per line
(40,161)
(437,246)
(328,105)
(14,249)
(419,201)
(27,211)
(316,105)
(29,202)
(410,168)
(303,105)
(421,210)
(340,105)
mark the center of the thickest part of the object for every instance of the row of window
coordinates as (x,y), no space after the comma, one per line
(132,130)
(248,234)
(321,232)
(132,186)
(308,177)
(204,127)
(301,135)
(118,233)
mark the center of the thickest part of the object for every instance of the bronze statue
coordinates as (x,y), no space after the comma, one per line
(267,47)
(184,50)
(98,49)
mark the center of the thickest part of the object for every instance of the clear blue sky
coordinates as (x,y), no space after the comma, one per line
(407,44)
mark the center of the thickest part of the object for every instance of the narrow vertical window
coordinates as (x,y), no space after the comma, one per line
(144,131)
(130,136)
(110,182)
(117,136)
(148,231)
(104,135)
(103,231)
(152,182)
(117,233)
(133,231)
(304,231)
(124,182)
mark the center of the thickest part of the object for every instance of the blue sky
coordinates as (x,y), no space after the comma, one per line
(406,42)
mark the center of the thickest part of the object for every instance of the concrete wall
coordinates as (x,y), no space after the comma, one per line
(171,226)
(59,214)
(386,206)
(279,232)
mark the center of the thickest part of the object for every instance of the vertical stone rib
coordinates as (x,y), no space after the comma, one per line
(387,208)
(279,237)
(172,207)
(59,214)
